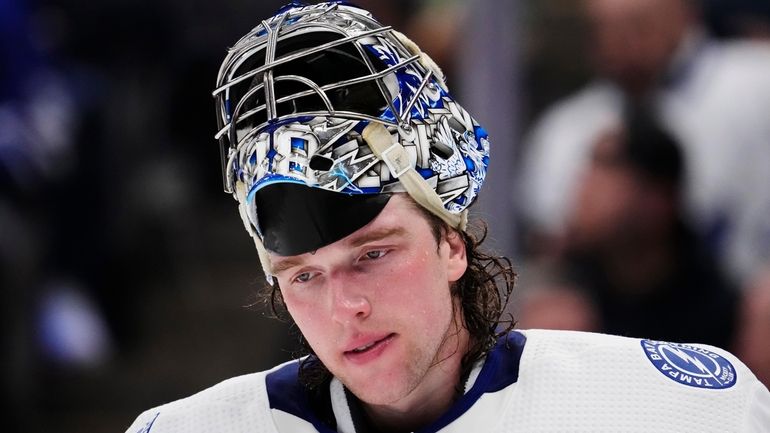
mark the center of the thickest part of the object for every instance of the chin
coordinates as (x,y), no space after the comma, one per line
(380,390)
(374,394)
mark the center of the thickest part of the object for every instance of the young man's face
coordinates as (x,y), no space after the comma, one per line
(376,307)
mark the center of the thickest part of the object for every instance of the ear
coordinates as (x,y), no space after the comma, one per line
(457,262)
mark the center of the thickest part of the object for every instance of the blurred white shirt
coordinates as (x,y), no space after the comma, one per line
(716,102)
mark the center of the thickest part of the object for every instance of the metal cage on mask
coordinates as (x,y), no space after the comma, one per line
(325,96)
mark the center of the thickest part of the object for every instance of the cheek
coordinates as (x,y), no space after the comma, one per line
(307,316)
(408,272)
(417,285)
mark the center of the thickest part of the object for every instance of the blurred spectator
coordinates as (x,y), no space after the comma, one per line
(557,305)
(738,18)
(40,116)
(628,250)
(714,96)
(753,342)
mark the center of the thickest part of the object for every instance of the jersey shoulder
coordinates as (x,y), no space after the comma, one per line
(236,404)
(610,382)
(689,364)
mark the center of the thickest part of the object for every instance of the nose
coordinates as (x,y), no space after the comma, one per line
(349,300)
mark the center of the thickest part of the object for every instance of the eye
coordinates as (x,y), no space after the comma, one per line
(375,254)
(303,277)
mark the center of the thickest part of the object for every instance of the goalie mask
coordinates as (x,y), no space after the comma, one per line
(324,113)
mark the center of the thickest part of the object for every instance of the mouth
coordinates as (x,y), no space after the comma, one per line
(370,350)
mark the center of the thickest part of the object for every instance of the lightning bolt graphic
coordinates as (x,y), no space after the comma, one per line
(347,169)
(687,358)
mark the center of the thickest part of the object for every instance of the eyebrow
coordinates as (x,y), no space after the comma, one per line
(376,235)
(372,236)
(285,264)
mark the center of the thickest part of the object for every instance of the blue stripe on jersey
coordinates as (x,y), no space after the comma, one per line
(504,360)
(500,370)
(287,394)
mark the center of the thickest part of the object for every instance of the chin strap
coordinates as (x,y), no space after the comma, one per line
(397,159)
(401,167)
(264,257)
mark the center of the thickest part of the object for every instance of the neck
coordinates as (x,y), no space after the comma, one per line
(435,394)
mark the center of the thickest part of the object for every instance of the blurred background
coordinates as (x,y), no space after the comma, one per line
(629,183)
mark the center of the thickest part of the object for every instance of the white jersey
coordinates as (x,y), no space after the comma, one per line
(532,381)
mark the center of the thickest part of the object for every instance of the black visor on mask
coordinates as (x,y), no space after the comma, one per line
(295,219)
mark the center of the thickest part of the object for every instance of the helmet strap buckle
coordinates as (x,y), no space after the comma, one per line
(397,159)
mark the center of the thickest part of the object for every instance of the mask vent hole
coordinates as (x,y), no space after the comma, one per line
(321,163)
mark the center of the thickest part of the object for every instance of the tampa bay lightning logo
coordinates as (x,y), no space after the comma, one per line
(690,365)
